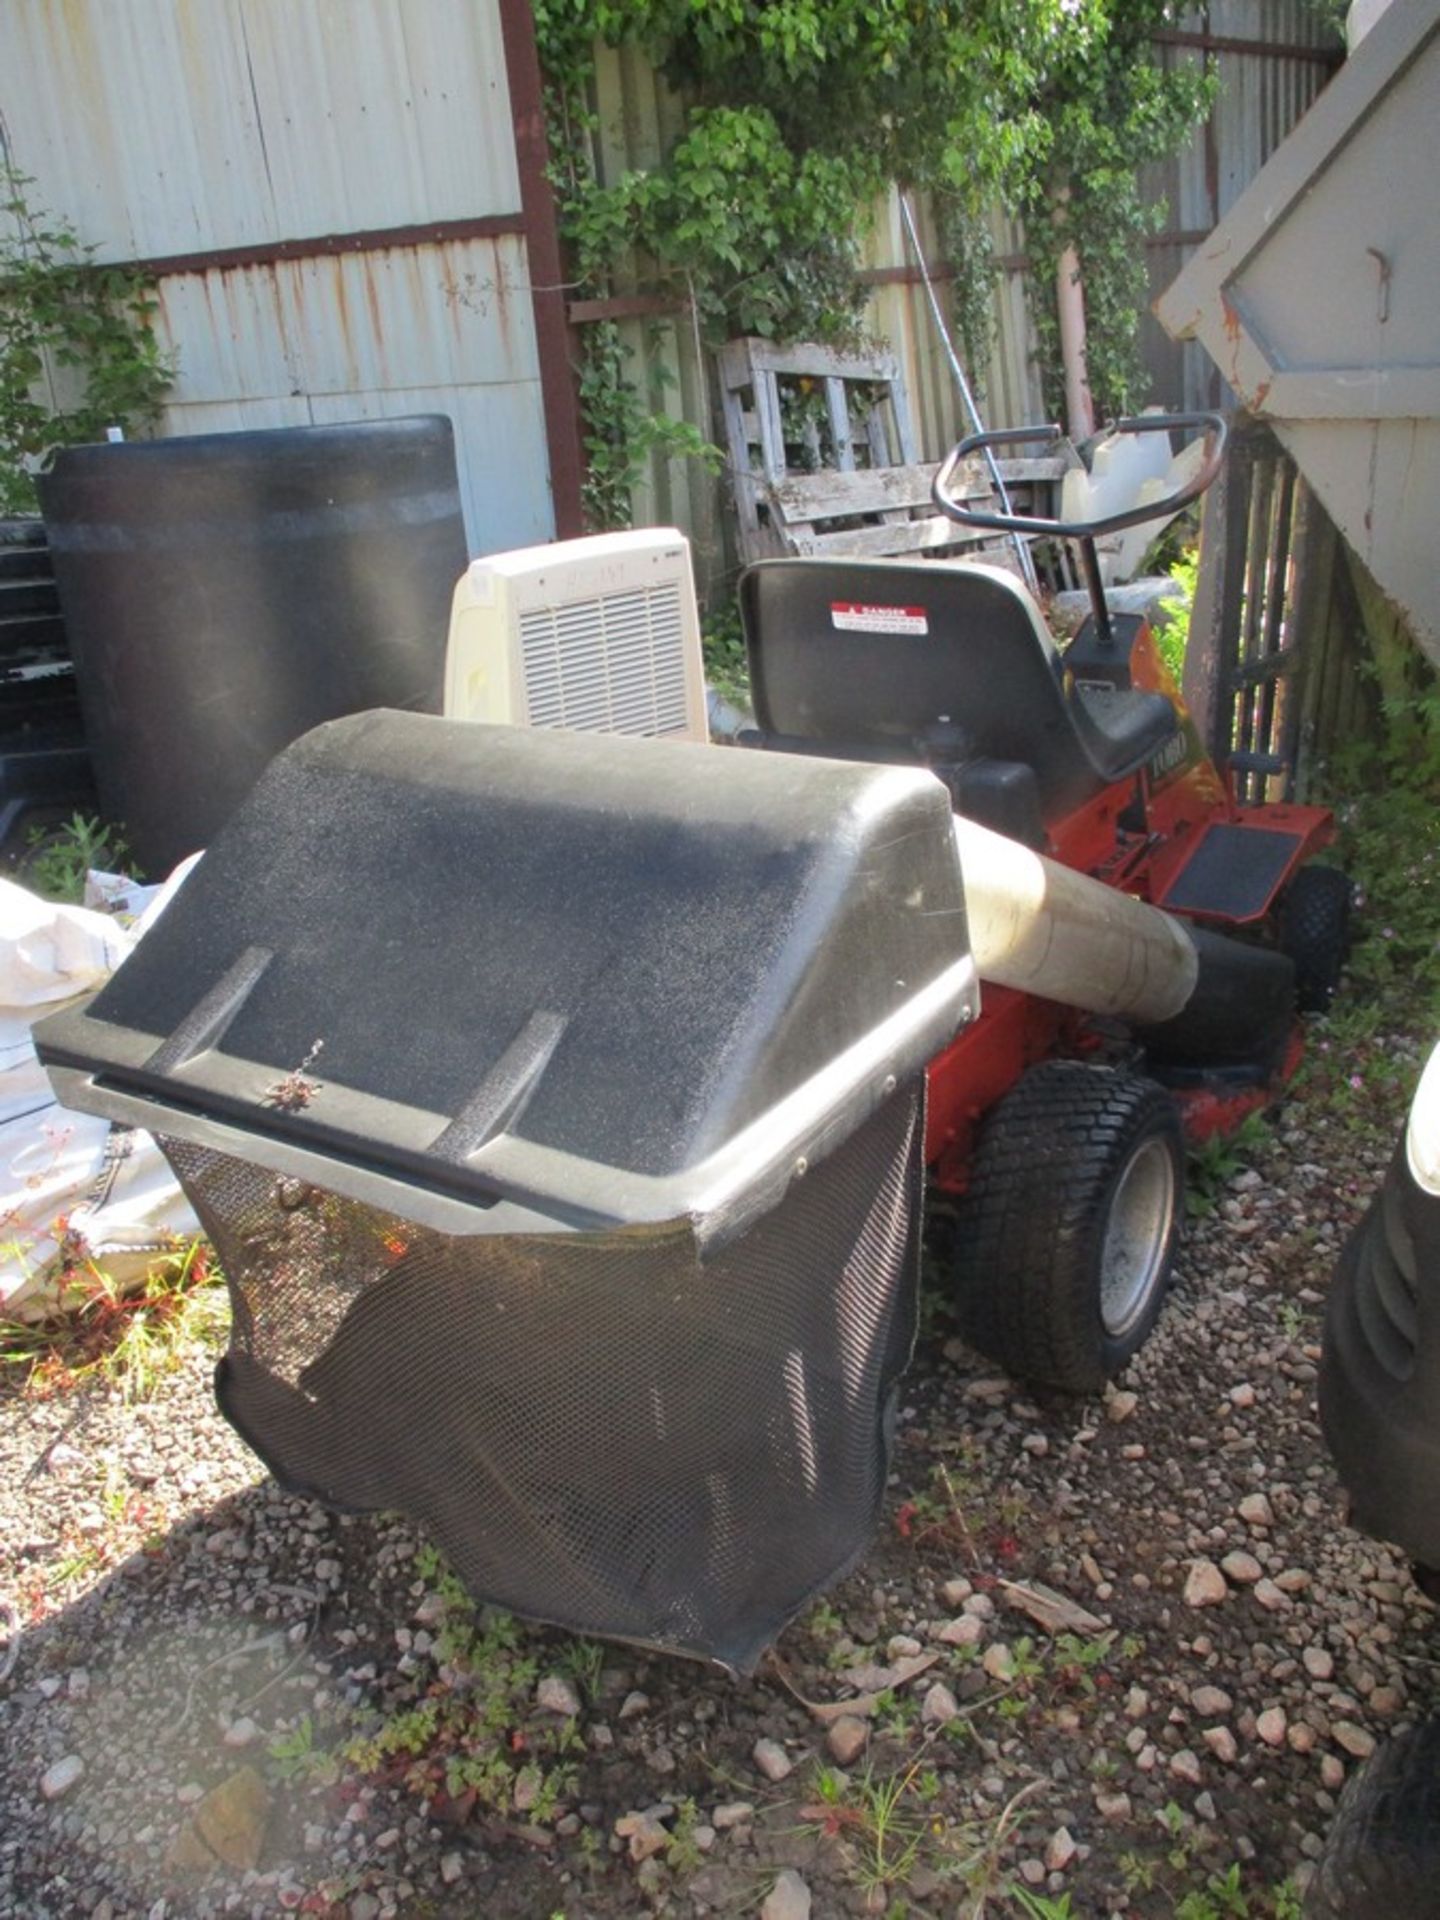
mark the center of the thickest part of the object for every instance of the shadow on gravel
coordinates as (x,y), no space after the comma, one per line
(165,1735)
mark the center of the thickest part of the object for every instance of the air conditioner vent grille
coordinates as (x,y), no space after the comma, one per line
(612,664)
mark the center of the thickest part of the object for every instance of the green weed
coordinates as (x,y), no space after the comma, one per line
(130,1336)
(1215,1161)
(727,668)
(296,1757)
(1172,624)
(1040,1907)
(59,858)
(475,1739)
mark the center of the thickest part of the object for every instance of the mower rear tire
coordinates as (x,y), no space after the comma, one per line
(1382,1855)
(1315,934)
(1064,1242)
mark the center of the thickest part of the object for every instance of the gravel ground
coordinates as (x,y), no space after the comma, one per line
(212,1672)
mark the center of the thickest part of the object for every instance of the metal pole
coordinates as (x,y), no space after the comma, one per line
(977,425)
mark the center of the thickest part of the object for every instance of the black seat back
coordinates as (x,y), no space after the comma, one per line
(923,661)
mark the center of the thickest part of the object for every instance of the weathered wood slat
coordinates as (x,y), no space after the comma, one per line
(745,483)
(819,496)
(839,412)
(781,511)
(805,360)
(910,536)
(1045,466)
(772,430)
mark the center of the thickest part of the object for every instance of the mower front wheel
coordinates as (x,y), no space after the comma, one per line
(1065,1239)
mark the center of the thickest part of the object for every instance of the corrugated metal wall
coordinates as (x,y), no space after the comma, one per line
(247,132)
(1271,56)
(640,119)
(239,129)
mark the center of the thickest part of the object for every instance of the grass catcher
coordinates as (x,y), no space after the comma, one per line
(554,1103)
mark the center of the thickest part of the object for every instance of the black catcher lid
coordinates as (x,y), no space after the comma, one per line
(440,966)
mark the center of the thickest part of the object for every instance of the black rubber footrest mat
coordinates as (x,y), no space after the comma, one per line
(1233,872)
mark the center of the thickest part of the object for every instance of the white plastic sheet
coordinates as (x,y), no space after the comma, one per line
(74,1191)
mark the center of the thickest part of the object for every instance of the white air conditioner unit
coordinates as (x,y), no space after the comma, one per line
(598,636)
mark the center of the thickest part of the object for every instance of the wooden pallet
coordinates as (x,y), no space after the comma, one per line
(858,488)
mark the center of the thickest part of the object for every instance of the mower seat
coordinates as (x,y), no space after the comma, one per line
(935,663)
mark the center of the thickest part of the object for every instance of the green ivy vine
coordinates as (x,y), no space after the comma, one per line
(78,352)
(798,113)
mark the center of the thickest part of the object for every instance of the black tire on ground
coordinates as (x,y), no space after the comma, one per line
(1315,933)
(1382,1855)
(1063,1244)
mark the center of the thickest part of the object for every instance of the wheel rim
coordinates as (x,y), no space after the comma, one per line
(1137,1237)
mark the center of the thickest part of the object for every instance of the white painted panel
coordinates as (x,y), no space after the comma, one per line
(178,126)
(137,121)
(1379,481)
(1338,236)
(381,113)
(234,416)
(499,448)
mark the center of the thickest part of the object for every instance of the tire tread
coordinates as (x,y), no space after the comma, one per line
(1027,1227)
(1315,934)
(1382,1856)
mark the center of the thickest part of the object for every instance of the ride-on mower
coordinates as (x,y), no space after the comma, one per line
(559,1104)
(1058,1132)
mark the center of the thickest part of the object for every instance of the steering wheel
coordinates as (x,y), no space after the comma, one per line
(1216,435)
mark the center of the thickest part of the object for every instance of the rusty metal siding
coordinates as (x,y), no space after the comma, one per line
(168,128)
(439,329)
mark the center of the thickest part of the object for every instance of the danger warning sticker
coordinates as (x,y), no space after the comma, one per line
(856,618)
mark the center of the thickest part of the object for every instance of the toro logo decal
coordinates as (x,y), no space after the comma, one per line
(855,617)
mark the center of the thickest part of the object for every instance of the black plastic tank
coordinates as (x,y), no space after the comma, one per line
(225,593)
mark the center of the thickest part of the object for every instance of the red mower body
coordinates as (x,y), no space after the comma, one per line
(1139,835)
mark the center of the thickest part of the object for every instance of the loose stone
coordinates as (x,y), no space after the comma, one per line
(847,1739)
(940,1706)
(1242,1567)
(1211,1703)
(1205,1584)
(62,1776)
(788,1899)
(1060,1850)
(556,1695)
(1356,1741)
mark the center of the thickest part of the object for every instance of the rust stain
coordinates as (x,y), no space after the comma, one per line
(366,265)
(452,292)
(1231,321)
(372,300)
(415,306)
(334,271)
(501,282)
(1257,402)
